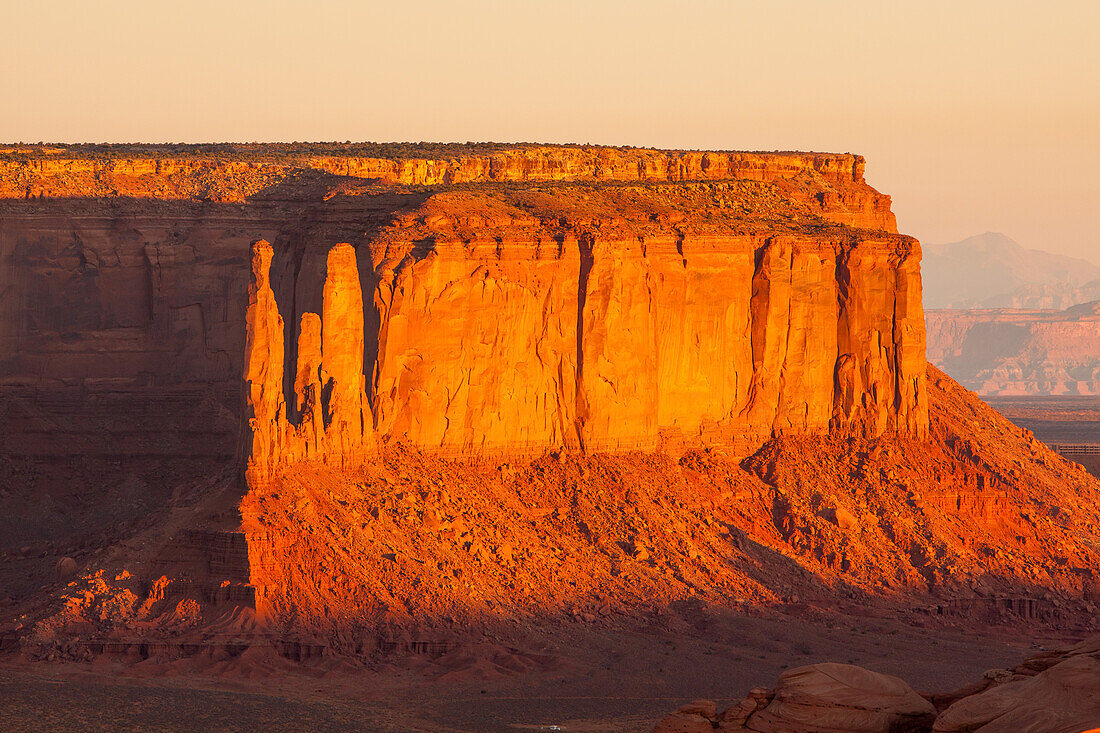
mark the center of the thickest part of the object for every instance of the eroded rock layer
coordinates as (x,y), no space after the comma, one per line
(1003,351)
(595,338)
(485,299)
(236,172)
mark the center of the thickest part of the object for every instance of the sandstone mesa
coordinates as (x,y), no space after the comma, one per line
(1007,351)
(482,386)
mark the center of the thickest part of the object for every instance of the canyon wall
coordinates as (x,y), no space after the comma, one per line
(587,343)
(518,299)
(1007,351)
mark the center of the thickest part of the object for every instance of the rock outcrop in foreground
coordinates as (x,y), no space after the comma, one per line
(1053,692)
(818,698)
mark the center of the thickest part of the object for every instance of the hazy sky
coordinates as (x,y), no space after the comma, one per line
(974,116)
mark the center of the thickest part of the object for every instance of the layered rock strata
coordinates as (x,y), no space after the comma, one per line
(1004,351)
(493,298)
(233,173)
(579,343)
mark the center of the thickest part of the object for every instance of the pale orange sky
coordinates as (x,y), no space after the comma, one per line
(974,116)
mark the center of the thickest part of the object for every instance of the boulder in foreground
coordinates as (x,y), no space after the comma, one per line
(819,698)
(841,697)
(1053,692)
(1062,699)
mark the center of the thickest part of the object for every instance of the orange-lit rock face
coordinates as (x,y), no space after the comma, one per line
(307,389)
(342,377)
(881,340)
(586,342)
(498,299)
(263,376)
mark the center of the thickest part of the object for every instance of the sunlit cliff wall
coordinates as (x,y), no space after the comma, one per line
(517,300)
(594,344)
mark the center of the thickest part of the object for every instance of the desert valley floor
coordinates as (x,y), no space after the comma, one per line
(586,682)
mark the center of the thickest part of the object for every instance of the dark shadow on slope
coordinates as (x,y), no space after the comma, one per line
(122,353)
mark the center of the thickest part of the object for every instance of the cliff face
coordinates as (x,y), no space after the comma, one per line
(515,300)
(1003,351)
(619,344)
(601,318)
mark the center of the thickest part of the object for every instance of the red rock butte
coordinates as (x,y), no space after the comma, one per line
(498,382)
(514,299)
(528,318)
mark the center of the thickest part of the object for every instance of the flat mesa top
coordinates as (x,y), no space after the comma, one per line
(473,185)
(425,164)
(290,152)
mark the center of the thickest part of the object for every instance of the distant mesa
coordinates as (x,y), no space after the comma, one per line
(1012,351)
(1005,320)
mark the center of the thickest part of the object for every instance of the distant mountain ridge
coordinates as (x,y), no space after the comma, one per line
(992,271)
